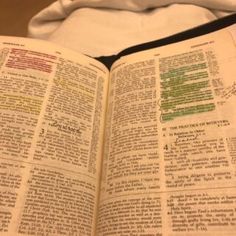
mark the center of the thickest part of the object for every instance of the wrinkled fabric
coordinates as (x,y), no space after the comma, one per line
(105,27)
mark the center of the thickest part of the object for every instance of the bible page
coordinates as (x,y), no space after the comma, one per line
(169,158)
(52,107)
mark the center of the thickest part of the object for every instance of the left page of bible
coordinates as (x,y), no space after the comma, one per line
(52,108)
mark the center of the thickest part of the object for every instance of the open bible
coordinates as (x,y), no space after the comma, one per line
(146,147)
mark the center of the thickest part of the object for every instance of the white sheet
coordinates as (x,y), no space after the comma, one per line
(105,27)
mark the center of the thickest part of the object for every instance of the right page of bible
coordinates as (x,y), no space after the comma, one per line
(170,150)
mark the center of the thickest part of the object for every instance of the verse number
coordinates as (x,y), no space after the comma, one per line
(166,147)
